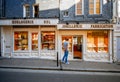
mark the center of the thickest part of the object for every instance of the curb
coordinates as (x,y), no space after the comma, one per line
(93,70)
(62,69)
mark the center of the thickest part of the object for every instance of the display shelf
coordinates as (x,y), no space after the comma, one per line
(35,41)
(48,46)
(97,42)
(48,40)
(20,41)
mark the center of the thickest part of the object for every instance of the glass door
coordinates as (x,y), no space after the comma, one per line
(77,47)
(70,42)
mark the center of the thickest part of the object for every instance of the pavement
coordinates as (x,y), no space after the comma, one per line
(44,64)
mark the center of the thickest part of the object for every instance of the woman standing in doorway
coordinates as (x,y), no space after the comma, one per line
(65,46)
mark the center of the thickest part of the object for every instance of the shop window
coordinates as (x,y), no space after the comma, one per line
(48,40)
(94,6)
(97,41)
(20,41)
(35,41)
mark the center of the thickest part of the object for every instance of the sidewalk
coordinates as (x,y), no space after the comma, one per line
(43,64)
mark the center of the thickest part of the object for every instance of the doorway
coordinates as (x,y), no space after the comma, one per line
(77,47)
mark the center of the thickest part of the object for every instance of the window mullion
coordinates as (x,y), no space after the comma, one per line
(82,6)
(94,6)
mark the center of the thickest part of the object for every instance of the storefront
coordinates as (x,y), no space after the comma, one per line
(43,38)
(88,42)
(29,38)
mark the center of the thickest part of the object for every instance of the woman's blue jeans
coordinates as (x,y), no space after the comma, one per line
(65,57)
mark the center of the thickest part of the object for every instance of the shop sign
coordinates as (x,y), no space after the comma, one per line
(47,22)
(29,22)
(22,22)
(104,26)
(72,26)
(99,33)
(117,28)
(7,46)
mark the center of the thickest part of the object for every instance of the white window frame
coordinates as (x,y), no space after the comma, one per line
(32,43)
(19,30)
(76,1)
(34,9)
(24,10)
(95,7)
(64,13)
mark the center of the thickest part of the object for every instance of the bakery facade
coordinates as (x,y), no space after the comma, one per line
(43,38)
(29,38)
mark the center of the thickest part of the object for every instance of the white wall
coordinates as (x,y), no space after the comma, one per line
(7,41)
(119,8)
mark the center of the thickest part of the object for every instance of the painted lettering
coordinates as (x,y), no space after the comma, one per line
(22,21)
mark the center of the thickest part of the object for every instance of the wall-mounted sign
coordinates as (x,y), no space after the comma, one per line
(86,26)
(8,46)
(117,28)
(22,22)
(29,22)
(101,26)
(46,21)
(72,26)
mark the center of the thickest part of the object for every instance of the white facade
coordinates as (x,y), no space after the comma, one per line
(116,14)
(116,43)
(116,11)
(29,26)
(75,33)
(119,8)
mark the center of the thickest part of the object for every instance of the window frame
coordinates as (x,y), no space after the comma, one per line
(66,13)
(82,9)
(25,10)
(94,8)
(98,43)
(18,39)
(48,42)
(34,40)
(34,10)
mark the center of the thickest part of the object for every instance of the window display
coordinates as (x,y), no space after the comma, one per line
(97,41)
(20,41)
(34,41)
(48,40)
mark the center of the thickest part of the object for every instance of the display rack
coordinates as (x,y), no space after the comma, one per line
(97,43)
(34,41)
(20,41)
(48,40)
